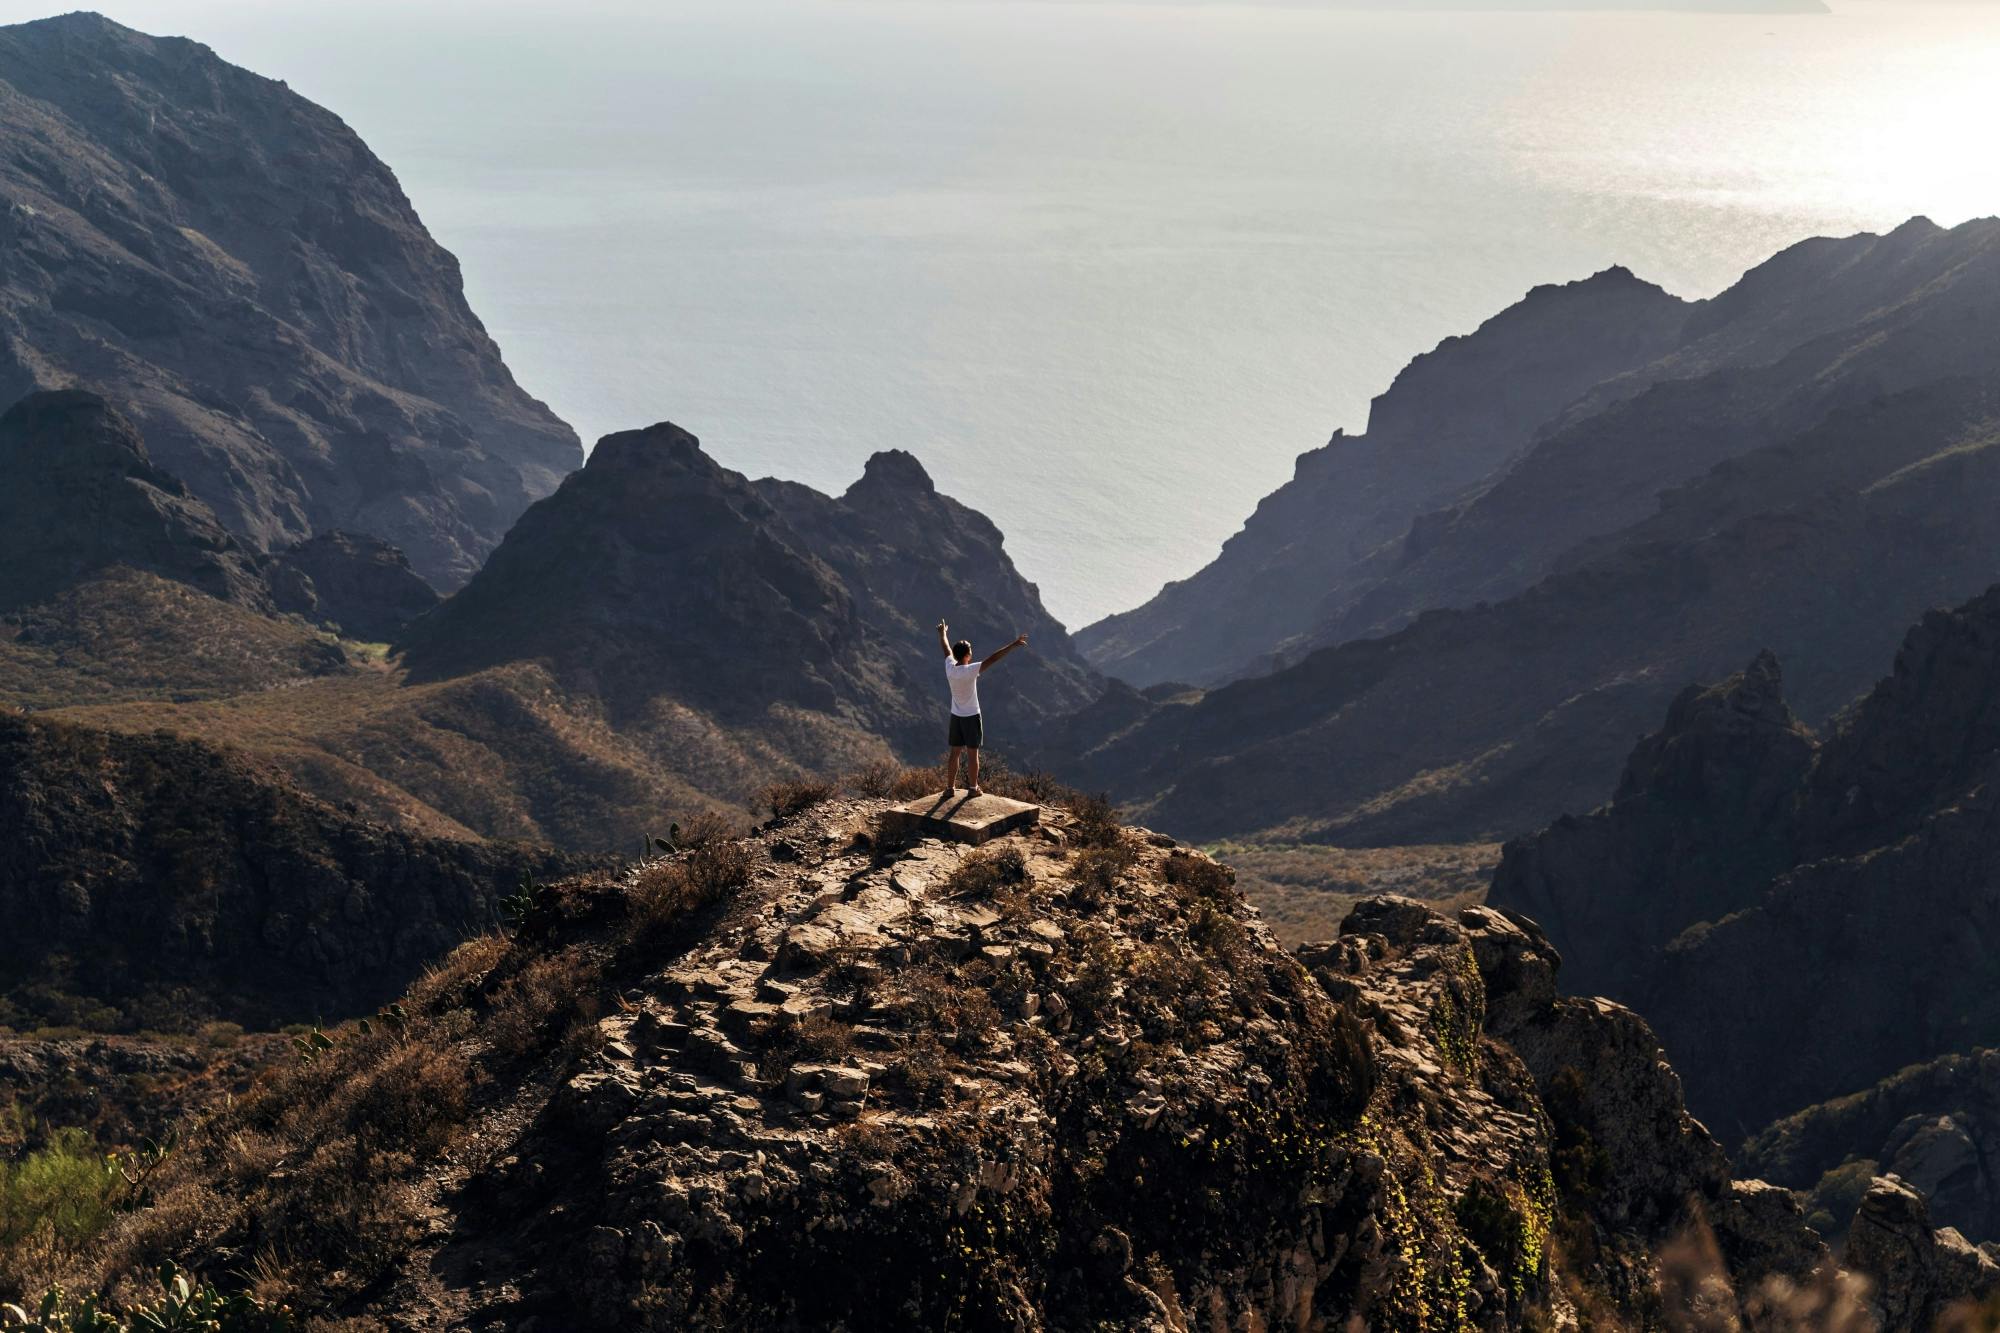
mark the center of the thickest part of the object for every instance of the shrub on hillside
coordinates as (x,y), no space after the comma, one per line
(788,798)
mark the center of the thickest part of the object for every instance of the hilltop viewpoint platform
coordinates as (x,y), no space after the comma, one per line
(960,817)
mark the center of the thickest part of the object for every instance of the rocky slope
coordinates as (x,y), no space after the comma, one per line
(156,882)
(1453,416)
(1493,720)
(1934,1126)
(657,580)
(230,265)
(813,1079)
(1858,869)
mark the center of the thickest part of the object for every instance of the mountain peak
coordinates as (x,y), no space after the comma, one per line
(892,469)
(662,448)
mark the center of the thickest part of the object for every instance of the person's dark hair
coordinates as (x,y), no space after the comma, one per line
(962,650)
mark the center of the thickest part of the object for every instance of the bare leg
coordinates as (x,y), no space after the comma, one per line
(951,768)
(972,770)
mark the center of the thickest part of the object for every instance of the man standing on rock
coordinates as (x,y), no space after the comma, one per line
(967,727)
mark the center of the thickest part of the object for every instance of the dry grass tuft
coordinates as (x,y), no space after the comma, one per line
(789,798)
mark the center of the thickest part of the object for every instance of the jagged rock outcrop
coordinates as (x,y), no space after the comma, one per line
(1063,1081)
(1700,822)
(361,584)
(82,496)
(1935,1126)
(1862,953)
(1452,416)
(656,578)
(1919,1273)
(908,555)
(156,882)
(655,572)
(229,264)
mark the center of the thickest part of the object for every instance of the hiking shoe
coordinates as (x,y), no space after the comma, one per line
(974,791)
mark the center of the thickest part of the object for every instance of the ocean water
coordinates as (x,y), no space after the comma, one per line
(1105,268)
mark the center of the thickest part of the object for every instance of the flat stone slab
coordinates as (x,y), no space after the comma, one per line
(960,817)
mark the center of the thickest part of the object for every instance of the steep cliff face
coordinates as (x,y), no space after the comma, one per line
(656,578)
(1811,452)
(1452,417)
(1701,821)
(1065,1081)
(1864,944)
(229,264)
(156,882)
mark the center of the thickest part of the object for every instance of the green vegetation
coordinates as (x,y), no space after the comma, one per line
(183,1306)
(69,1189)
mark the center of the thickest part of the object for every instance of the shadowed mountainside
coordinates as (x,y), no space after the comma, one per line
(1453,416)
(1489,721)
(229,265)
(1798,920)
(151,881)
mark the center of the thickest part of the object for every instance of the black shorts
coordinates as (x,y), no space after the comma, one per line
(966,732)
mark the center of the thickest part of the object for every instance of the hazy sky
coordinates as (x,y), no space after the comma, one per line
(1106,269)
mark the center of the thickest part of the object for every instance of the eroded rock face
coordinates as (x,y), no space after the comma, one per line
(1919,1273)
(1702,819)
(656,577)
(230,265)
(1757,895)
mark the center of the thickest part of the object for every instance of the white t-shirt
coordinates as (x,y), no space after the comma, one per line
(964,688)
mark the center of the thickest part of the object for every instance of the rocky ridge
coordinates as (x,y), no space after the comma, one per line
(813,1079)
(1490,721)
(807,606)
(1453,415)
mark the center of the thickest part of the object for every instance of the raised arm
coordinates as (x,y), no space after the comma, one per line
(944,637)
(1020,640)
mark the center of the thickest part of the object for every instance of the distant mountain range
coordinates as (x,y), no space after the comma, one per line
(1805,462)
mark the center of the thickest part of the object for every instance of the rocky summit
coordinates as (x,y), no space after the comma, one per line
(821,1078)
(229,264)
